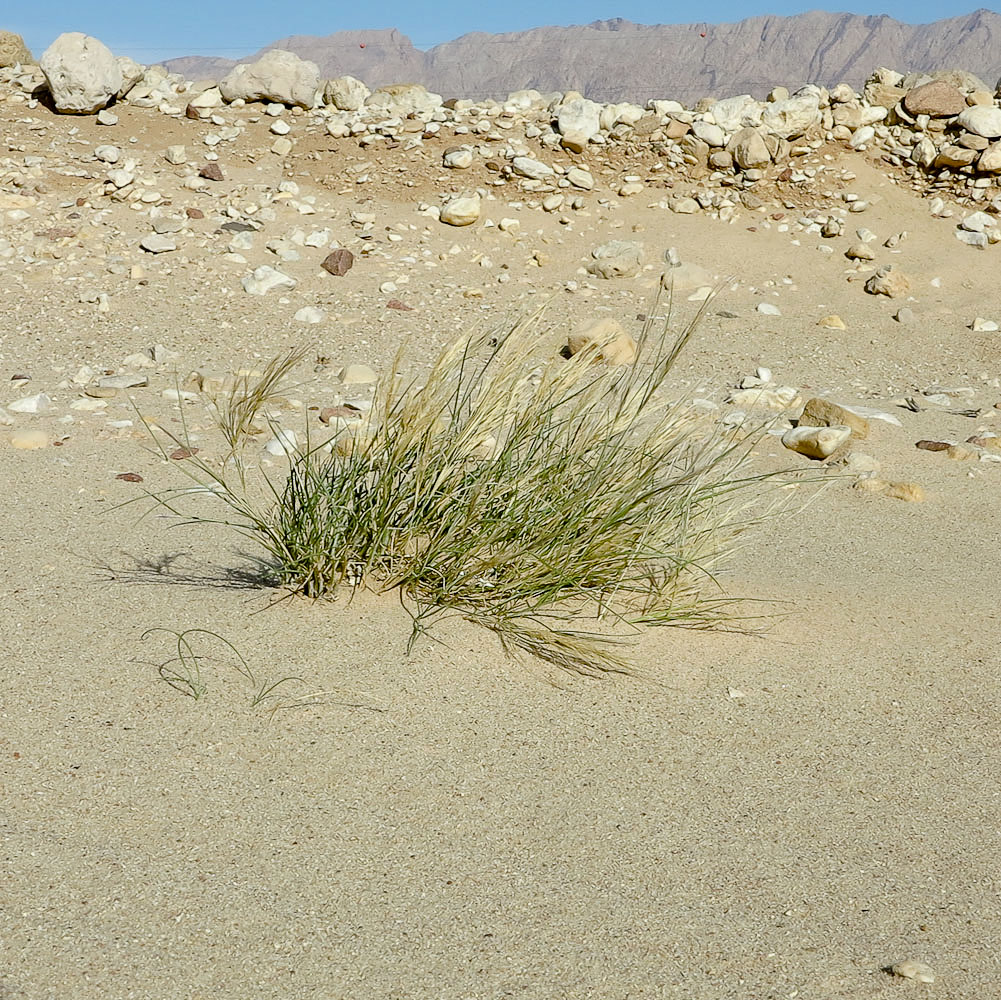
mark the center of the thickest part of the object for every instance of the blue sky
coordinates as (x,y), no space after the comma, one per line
(152,31)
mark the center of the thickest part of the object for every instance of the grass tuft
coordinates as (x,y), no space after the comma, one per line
(522,491)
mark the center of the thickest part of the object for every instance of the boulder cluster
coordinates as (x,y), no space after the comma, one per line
(943,129)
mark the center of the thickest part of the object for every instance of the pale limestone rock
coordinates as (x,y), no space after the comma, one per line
(616,259)
(816,442)
(345,93)
(81,73)
(606,339)
(278,75)
(462,210)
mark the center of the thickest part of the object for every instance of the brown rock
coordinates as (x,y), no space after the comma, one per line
(937,99)
(926,445)
(338,263)
(823,413)
(194,213)
(888,282)
(211,172)
(397,304)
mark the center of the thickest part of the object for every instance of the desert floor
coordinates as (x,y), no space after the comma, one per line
(750,816)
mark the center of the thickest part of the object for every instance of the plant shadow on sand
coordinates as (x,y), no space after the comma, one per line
(182,569)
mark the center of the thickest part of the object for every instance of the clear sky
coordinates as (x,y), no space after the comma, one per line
(158,29)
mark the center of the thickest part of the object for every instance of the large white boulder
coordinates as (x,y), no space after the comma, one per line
(82,73)
(733,113)
(793,117)
(278,76)
(404,99)
(578,121)
(346,93)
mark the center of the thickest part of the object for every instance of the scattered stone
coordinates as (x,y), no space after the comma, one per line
(39,403)
(462,210)
(926,445)
(176,155)
(129,477)
(768,309)
(155,243)
(129,381)
(211,172)
(357,375)
(904,316)
(910,968)
(283,445)
(580,178)
(338,262)
(888,282)
(778,399)
(616,259)
(908,492)
(397,304)
(981,325)
(823,413)
(816,442)
(981,120)
(832,322)
(265,279)
(82,74)
(310,314)
(180,454)
(535,170)
(106,117)
(457,158)
(860,251)
(29,440)
(606,339)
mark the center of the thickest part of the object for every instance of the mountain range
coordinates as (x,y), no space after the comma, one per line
(616,60)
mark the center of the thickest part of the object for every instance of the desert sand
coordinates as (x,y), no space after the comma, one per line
(771,815)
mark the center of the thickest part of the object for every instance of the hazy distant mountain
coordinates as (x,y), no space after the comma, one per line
(617,60)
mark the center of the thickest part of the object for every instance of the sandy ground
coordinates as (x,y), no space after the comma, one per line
(772,816)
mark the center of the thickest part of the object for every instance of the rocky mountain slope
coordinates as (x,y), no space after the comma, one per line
(617,60)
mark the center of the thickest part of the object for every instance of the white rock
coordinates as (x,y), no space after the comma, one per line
(767,309)
(981,325)
(793,117)
(527,166)
(108,154)
(345,93)
(580,178)
(176,155)
(616,259)
(912,969)
(280,128)
(458,159)
(283,444)
(816,442)
(106,117)
(39,403)
(982,119)
(578,122)
(156,243)
(279,75)
(310,314)
(265,279)
(734,113)
(462,210)
(81,73)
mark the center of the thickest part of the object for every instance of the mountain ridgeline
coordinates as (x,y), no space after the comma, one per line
(617,60)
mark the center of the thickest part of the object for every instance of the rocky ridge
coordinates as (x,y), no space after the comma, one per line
(521,176)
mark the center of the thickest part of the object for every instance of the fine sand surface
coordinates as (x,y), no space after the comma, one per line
(759,816)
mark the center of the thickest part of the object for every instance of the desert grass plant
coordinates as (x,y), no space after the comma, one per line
(183,671)
(563,504)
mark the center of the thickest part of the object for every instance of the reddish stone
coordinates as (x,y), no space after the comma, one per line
(211,172)
(397,304)
(338,263)
(194,213)
(129,477)
(937,99)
